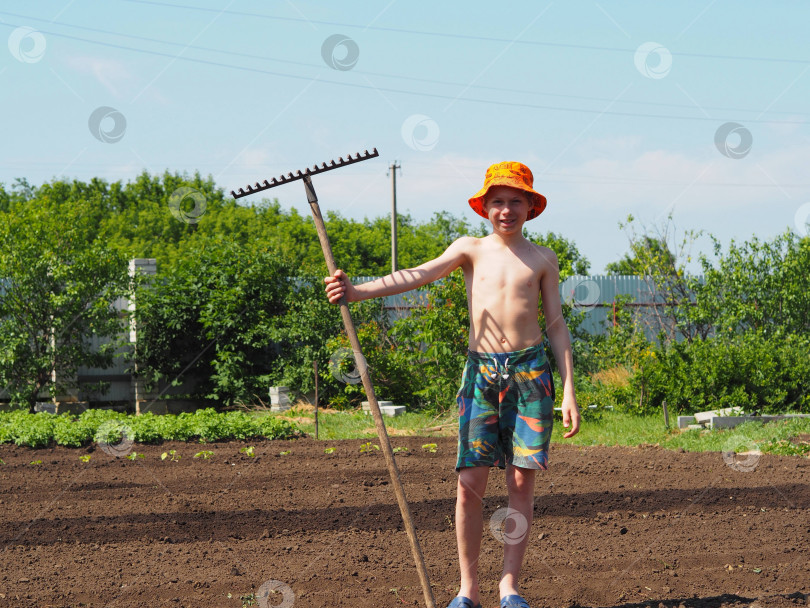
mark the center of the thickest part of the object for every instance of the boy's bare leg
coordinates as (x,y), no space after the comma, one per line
(472,484)
(520,484)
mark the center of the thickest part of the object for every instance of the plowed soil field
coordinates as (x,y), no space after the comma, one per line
(618,527)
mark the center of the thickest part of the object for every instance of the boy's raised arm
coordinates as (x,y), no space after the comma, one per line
(401,280)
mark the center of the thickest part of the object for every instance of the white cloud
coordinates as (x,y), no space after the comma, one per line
(708,182)
(254,159)
(116,78)
(112,74)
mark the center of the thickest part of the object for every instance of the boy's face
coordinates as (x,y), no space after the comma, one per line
(507,208)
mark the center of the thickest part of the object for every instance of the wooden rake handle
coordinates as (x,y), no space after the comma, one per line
(362,367)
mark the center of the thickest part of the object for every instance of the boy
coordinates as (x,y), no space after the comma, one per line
(506,398)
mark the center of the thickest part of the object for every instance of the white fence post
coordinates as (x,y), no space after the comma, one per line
(144,400)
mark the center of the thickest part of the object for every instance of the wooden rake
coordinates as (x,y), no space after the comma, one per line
(360,361)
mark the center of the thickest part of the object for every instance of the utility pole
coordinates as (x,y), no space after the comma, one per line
(392,168)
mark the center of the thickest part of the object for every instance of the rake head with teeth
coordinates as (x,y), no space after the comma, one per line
(283,179)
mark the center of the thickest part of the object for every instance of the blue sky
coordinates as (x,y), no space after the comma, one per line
(618,107)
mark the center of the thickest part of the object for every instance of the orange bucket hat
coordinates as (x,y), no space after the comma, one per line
(514,175)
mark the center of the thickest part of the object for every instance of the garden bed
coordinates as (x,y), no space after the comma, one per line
(620,526)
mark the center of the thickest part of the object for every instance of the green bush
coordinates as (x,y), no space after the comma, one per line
(766,373)
(390,366)
(316,330)
(737,336)
(416,361)
(763,285)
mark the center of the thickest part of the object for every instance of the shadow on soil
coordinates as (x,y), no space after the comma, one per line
(379,514)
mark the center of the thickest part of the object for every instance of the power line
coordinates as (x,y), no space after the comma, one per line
(405,91)
(393,76)
(547,178)
(459,36)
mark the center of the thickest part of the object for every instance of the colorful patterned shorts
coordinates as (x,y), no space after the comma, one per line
(505,409)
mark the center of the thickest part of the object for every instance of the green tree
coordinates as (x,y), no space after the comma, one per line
(759,285)
(214,317)
(57,291)
(643,250)
(235,321)
(136,219)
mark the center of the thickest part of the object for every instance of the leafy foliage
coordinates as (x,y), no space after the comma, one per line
(57,291)
(206,425)
(756,285)
(238,303)
(761,372)
(240,320)
(643,250)
(733,337)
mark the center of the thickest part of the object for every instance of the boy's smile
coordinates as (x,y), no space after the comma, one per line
(507,208)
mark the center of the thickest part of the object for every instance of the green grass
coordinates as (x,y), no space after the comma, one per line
(627,430)
(352,424)
(612,428)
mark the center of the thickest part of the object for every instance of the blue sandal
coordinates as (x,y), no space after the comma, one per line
(514,601)
(462,602)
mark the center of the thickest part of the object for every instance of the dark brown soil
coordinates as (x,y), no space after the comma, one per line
(614,527)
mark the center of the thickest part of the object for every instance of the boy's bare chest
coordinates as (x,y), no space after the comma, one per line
(505,273)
